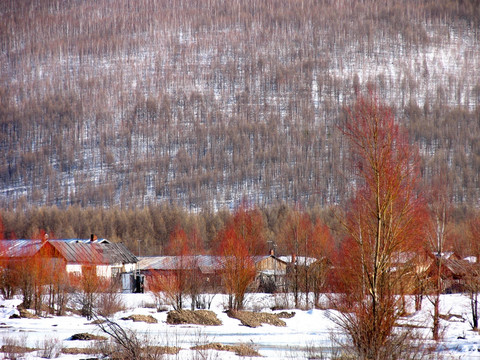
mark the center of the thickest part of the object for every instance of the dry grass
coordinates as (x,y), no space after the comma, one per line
(87,336)
(256,319)
(239,350)
(162,350)
(149,319)
(77,351)
(198,317)
(9,349)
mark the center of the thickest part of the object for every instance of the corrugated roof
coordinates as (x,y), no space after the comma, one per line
(458,268)
(20,248)
(75,251)
(78,252)
(117,253)
(206,263)
(96,252)
(85,240)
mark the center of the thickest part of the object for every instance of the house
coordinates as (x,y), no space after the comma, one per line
(110,259)
(270,271)
(74,255)
(207,268)
(453,272)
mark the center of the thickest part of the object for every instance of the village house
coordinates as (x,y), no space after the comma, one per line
(270,271)
(454,271)
(207,268)
(74,255)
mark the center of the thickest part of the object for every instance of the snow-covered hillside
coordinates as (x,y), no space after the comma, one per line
(206,104)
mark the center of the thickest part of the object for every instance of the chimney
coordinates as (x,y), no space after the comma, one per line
(294,258)
(93,237)
(272,252)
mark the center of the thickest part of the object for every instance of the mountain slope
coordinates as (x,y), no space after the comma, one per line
(203,104)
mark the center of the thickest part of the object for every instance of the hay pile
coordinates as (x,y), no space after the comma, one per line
(256,319)
(286,315)
(87,337)
(198,317)
(24,313)
(149,319)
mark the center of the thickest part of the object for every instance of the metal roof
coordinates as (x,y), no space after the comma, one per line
(86,241)
(74,251)
(96,252)
(20,248)
(118,253)
(206,263)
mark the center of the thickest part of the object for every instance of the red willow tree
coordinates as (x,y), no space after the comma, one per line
(383,220)
(184,281)
(8,278)
(320,247)
(294,240)
(240,240)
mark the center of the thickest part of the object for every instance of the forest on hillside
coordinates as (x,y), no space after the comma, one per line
(206,103)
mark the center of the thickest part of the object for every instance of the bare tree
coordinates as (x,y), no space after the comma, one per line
(437,236)
(382,221)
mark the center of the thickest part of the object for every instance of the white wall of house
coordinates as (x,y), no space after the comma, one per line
(102,270)
(130,267)
(74,269)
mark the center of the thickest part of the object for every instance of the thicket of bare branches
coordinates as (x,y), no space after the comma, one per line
(200,104)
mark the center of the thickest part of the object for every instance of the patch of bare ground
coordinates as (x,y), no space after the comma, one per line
(149,319)
(239,350)
(197,317)
(256,319)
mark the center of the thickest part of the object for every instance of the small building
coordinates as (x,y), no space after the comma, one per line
(109,259)
(207,268)
(453,273)
(271,273)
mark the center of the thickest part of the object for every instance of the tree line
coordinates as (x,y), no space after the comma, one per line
(152,225)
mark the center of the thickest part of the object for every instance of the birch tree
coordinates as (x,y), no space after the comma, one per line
(439,217)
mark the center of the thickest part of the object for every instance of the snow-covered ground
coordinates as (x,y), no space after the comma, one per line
(306,330)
